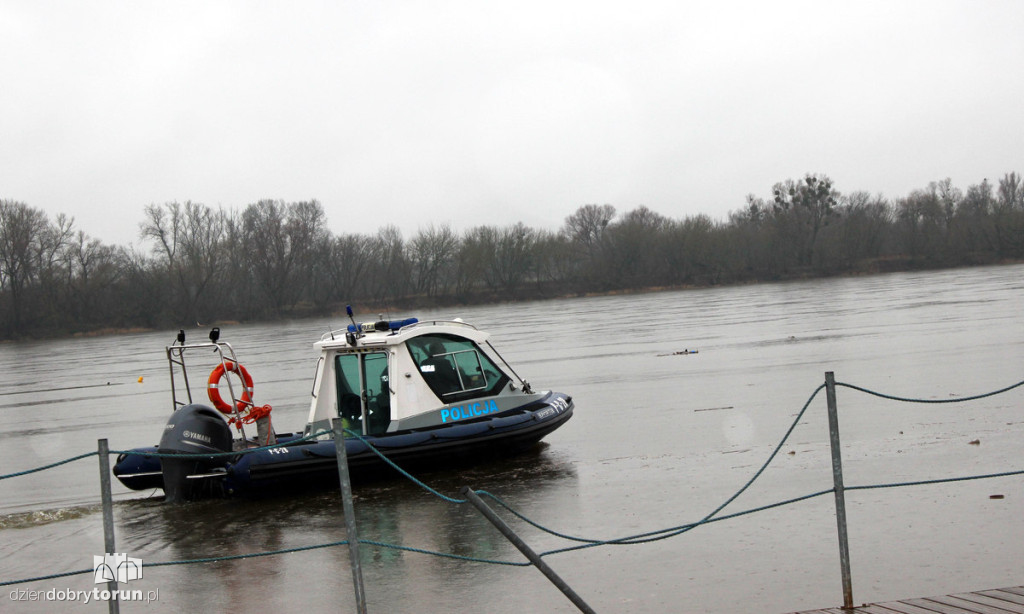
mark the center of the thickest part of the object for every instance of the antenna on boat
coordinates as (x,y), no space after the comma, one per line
(353,334)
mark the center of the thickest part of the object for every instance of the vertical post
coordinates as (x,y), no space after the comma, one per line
(525,549)
(350,516)
(837,479)
(113,606)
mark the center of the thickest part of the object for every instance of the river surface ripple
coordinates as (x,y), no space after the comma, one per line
(659,439)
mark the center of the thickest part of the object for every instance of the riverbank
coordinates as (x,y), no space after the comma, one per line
(527,292)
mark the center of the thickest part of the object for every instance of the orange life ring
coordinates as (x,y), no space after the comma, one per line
(213,387)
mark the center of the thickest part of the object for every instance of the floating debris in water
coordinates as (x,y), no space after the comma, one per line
(715,408)
(976,442)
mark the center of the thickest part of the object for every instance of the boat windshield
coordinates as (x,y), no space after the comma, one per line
(455,368)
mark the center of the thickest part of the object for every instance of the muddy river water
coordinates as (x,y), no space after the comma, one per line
(680,398)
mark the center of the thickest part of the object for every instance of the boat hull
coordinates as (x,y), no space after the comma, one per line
(312,464)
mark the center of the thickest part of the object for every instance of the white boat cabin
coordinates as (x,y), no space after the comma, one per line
(385,377)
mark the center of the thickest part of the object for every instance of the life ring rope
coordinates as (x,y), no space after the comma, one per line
(256,413)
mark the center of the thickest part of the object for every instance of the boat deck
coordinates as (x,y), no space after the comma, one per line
(997,601)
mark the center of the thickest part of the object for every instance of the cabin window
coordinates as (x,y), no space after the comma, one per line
(364,393)
(455,368)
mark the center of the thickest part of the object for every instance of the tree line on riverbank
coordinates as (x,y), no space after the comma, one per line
(276,259)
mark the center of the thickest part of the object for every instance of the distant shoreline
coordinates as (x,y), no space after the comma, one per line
(538,294)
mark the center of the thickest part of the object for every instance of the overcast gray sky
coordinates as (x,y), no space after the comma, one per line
(482,112)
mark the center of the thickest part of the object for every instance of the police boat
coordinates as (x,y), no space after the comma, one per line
(431,393)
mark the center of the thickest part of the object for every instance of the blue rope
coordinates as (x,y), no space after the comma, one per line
(653,536)
(234,557)
(950,400)
(459,557)
(404,473)
(986,476)
(50,466)
(49,577)
(637,539)
(674,531)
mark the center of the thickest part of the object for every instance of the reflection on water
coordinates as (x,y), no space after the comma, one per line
(658,439)
(390,511)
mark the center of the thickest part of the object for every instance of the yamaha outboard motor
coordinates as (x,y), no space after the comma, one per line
(194,429)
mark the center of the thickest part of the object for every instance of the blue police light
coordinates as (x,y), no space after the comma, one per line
(369,327)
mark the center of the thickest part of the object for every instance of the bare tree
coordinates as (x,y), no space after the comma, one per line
(270,252)
(188,241)
(804,207)
(92,269)
(309,240)
(859,234)
(22,231)
(476,252)
(636,249)
(349,262)
(747,248)
(513,258)
(690,251)
(588,223)
(388,269)
(586,228)
(1009,216)
(1011,192)
(431,255)
(500,257)
(554,259)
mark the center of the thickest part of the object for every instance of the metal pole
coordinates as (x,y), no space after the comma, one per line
(837,479)
(525,549)
(113,606)
(350,515)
